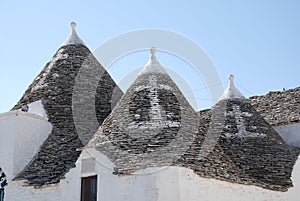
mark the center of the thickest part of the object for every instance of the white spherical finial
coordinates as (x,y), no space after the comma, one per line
(73,25)
(152,50)
(231,78)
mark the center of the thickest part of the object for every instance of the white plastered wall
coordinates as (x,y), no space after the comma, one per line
(110,187)
(172,184)
(16,191)
(194,188)
(290,133)
(21,135)
(152,184)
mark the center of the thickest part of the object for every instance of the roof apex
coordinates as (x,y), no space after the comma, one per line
(153,66)
(231,92)
(73,38)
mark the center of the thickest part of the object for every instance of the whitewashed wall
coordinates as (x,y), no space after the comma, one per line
(67,190)
(21,136)
(16,191)
(290,133)
(37,108)
(171,184)
(153,184)
(110,187)
(23,133)
(194,188)
(71,186)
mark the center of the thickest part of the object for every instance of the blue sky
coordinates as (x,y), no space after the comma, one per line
(257,41)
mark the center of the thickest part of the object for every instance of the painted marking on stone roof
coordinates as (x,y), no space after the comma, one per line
(157,119)
(240,124)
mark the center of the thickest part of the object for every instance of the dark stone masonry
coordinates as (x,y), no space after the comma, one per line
(247,149)
(153,125)
(233,142)
(279,107)
(55,87)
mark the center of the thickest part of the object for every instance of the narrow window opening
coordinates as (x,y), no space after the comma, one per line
(89,188)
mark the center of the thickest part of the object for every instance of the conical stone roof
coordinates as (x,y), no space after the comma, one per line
(151,126)
(241,146)
(77,94)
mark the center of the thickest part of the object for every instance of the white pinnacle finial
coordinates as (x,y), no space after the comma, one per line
(153,51)
(231,78)
(73,38)
(153,66)
(73,25)
(231,92)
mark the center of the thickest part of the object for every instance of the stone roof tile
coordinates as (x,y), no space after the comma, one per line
(55,86)
(280,107)
(152,124)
